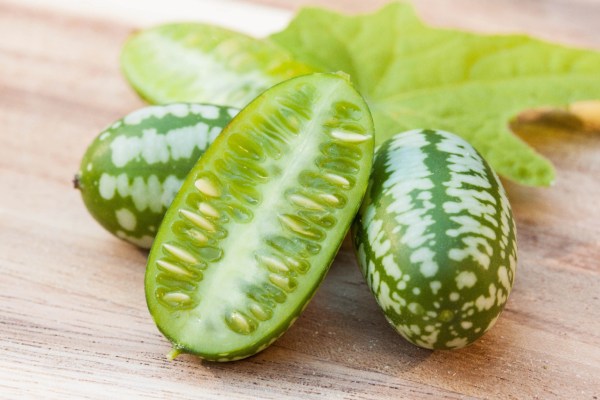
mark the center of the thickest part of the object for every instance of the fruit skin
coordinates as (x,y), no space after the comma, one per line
(132,170)
(260,218)
(435,239)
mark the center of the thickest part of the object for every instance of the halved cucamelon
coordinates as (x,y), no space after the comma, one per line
(435,239)
(260,218)
(203,63)
(131,172)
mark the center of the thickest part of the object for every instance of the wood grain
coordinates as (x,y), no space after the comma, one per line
(73,321)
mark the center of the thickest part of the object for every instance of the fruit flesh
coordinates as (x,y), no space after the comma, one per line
(260,218)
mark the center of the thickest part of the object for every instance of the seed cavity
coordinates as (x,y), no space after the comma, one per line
(198,220)
(347,110)
(210,253)
(207,187)
(244,193)
(339,165)
(179,253)
(321,219)
(265,296)
(239,213)
(341,150)
(244,147)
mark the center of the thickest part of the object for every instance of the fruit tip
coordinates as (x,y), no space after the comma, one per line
(174,353)
(76,182)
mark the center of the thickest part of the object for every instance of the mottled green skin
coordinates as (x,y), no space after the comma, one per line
(172,137)
(260,218)
(413,233)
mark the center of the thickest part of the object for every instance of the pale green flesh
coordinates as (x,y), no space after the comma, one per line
(131,172)
(202,63)
(317,126)
(435,239)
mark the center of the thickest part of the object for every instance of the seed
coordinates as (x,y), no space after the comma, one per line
(329,198)
(173,269)
(209,210)
(260,312)
(241,323)
(338,180)
(350,136)
(197,235)
(294,225)
(179,253)
(177,297)
(287,284)
(205,186)
(305,202)
(198,220)
(273,263)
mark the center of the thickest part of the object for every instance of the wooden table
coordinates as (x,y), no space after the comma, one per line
(73,319)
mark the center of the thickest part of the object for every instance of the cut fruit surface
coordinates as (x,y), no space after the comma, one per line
(260,218)
(195,62)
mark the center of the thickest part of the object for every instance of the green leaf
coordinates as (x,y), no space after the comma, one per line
(191,62)
(414,76)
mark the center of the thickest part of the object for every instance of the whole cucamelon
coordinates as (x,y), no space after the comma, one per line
(435,239)
(131,172)
(260,218)
(197,62)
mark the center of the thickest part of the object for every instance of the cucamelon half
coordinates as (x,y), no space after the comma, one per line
(260,218)
(197,62)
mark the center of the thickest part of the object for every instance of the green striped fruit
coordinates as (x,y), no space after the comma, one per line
(435,239)
(259,219)
(131,172)
(204,63)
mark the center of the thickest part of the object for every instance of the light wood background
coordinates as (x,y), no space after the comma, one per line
(73,320)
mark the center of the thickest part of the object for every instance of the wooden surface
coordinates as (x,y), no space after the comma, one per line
(73,320)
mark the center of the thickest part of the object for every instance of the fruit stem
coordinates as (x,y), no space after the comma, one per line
(588,111)
(174,353)
(76,182)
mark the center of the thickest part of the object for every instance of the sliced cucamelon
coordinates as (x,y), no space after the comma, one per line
(131,172)
(203,63)
(435,239)
(259,219)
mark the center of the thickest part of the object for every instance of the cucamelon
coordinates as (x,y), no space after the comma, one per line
(131,172)
(260,218)
(435,239)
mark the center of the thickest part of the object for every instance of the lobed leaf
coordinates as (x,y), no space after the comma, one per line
(414,76)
